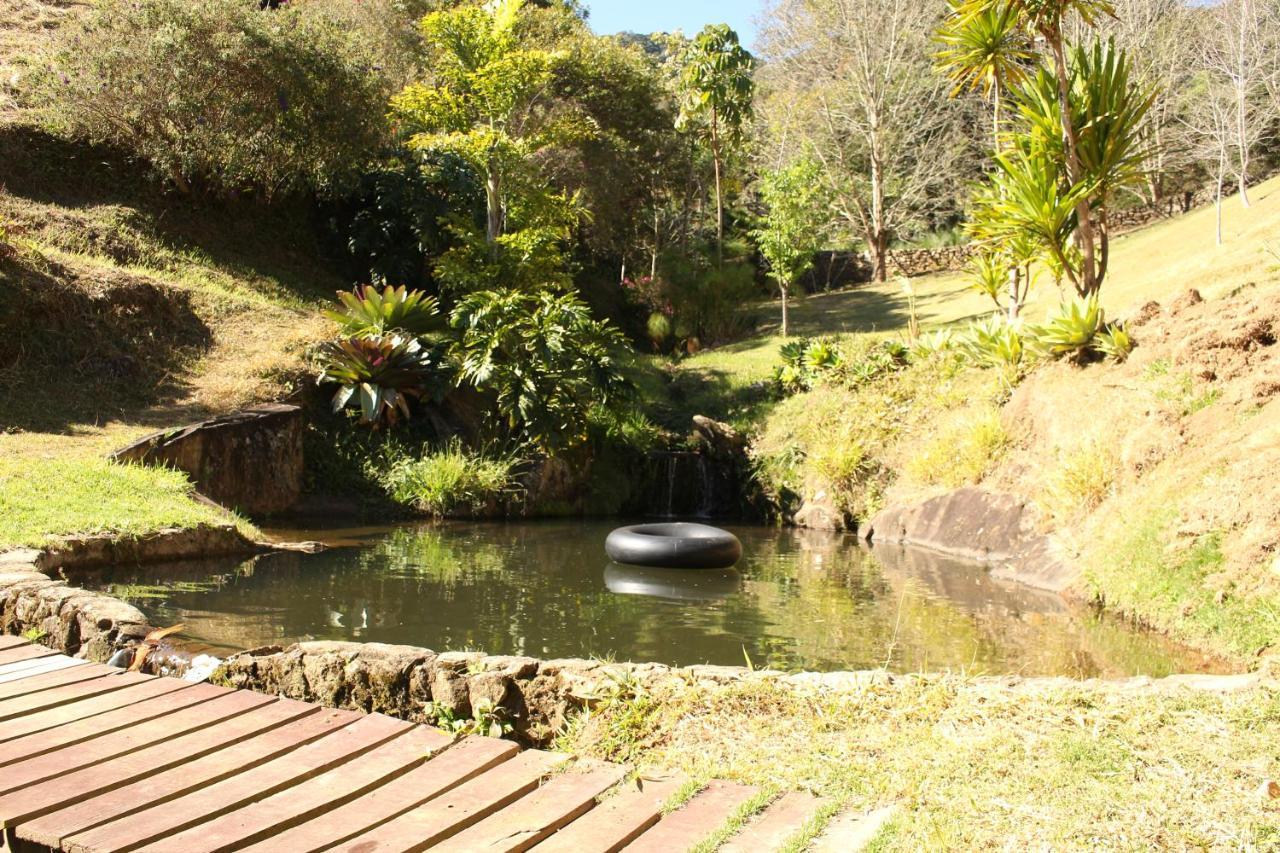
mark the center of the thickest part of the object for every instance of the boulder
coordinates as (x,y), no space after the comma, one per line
(250,460)
(820,513)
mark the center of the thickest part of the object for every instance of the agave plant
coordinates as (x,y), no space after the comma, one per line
(381,374)
(1114,341)
(1072,329)
(368,311)
(821,355)
(995,342)
(931,343)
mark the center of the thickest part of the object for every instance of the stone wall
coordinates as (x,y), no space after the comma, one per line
(251,460)
(89,625)
(536,697)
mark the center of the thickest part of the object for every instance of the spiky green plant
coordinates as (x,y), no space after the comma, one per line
(1072,329)
(370,310)
(380,374)
(1114,341)
(995,342)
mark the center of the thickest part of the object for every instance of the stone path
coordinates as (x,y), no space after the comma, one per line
(96,759)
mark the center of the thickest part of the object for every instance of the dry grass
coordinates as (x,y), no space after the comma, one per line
(973,764)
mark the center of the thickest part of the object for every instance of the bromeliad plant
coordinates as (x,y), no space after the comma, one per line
(381,375)
(1071,331)
(370,311)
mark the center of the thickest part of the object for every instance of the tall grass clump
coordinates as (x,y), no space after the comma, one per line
(1082,479)
(453,480)
(962,452)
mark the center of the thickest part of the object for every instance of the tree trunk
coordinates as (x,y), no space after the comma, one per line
(1089,283)
(785,328)
(715,159)
(879,242)
(1217,204)
(493,204)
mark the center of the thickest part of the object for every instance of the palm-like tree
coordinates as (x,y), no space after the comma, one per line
(984,46)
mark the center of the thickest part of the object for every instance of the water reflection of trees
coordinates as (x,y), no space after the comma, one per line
(804,600)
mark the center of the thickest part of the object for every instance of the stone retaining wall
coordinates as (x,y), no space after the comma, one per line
(536,697)
(89,625)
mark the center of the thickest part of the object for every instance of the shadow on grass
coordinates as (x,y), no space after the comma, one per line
(111,205)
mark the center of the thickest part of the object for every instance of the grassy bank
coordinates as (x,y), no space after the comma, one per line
(972,764)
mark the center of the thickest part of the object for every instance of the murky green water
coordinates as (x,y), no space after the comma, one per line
(797,600)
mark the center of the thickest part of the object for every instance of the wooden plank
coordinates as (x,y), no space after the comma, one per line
(772,828)
(293,805)
(24,652)
(96,716)
(27,669)
(698,818)
(530,819)
(11,641)
(45,699)
(57,678)
(52,828)
(852,831)
(181,813)
(617,821)
(453,812)
(65,759)
(464,760)
(34,800)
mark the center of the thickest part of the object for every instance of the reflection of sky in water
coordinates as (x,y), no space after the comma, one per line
(797,600)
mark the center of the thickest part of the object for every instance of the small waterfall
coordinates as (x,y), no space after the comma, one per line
(673,465)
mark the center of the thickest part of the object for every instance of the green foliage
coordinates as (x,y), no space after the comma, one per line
(394,220)
(1114,341)
(962,451)
(370,312)
(989,275)
(715,84)
(381,374)
(808,362)
(543,358)
(486,720)
(222,94)
(449,480)
(983,46)
(1072,329)
(791,230)
(708,300)
(483,105)
(995,342)
(659,329)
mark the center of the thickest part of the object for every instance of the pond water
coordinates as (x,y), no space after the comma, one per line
(797,600)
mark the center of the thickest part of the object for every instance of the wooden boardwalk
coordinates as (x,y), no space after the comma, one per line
(96,759)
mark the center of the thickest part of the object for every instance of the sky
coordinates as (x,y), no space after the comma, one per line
(648,16)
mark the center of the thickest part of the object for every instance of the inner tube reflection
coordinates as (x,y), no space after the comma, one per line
(672,584)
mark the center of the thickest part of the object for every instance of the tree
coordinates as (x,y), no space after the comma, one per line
(986,49)
(1035,195)
(716,99)
(791,230)
(853,82)
(484,103)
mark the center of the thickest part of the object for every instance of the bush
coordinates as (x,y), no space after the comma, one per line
(962,451)
(370,311)
(381,374)
(543,358)
(222,94)
(450,480)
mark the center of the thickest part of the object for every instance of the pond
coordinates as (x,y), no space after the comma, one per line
(797,600)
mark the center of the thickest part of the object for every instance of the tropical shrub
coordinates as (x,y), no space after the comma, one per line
(1072,329)
(543,358)
(370,311)
(380,374)
(222,94)
(998,343)
(1114,341)
(707,299)
(450,480)
(659,329)
(808,362)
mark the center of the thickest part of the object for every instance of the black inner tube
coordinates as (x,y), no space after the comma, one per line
(674,545)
